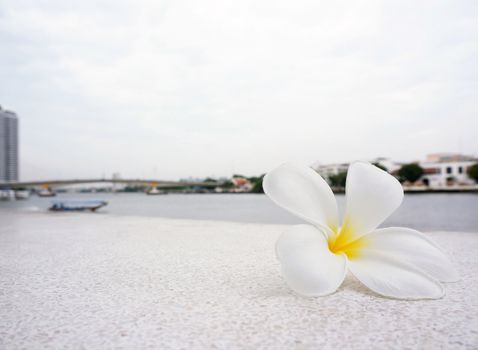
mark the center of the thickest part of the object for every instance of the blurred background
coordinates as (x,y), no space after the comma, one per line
(208,96)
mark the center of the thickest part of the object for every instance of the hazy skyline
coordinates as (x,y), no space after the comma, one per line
(172,89)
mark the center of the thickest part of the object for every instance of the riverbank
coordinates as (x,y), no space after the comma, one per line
(102,281)
(426,190)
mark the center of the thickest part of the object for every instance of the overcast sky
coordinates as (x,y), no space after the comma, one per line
(171,89)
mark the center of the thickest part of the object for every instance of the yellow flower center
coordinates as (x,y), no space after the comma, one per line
(345,241)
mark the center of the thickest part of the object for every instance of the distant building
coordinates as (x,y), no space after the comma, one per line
(8,146)
(328,170)
(449,157)
(446,169)
(241,184)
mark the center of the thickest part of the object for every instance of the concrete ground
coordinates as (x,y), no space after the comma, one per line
(95,281)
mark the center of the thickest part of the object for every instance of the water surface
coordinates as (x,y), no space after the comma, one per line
(434,211)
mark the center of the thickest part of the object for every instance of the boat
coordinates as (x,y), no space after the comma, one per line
(77,205)
(22,194)
(154,191)
(46,193)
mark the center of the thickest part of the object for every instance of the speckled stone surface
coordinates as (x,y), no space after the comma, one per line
(81,281)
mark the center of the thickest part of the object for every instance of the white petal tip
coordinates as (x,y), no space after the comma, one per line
(390,278)
(371,196)
(302,192)
(433,294)
(414,248)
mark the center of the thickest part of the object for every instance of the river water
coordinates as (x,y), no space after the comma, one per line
(426,212)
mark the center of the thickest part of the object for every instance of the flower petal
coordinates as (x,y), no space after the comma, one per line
(371,196)
(391,278)
(308,266)
(414,248)
(304,193)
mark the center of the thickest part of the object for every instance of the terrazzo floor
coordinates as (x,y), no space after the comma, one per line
(95,281)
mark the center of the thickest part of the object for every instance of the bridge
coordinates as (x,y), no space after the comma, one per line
(151,183)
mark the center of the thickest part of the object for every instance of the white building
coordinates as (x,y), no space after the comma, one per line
(446,169)
(327,170)
(8,146)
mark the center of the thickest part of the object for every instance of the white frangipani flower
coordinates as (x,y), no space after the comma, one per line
(394,262)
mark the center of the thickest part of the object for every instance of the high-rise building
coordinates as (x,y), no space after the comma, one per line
(8,146)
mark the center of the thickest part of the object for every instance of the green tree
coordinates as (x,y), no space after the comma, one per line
(257,184)
(254,179)
(473,172)
(410,172)
(227,184)
(338,180)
